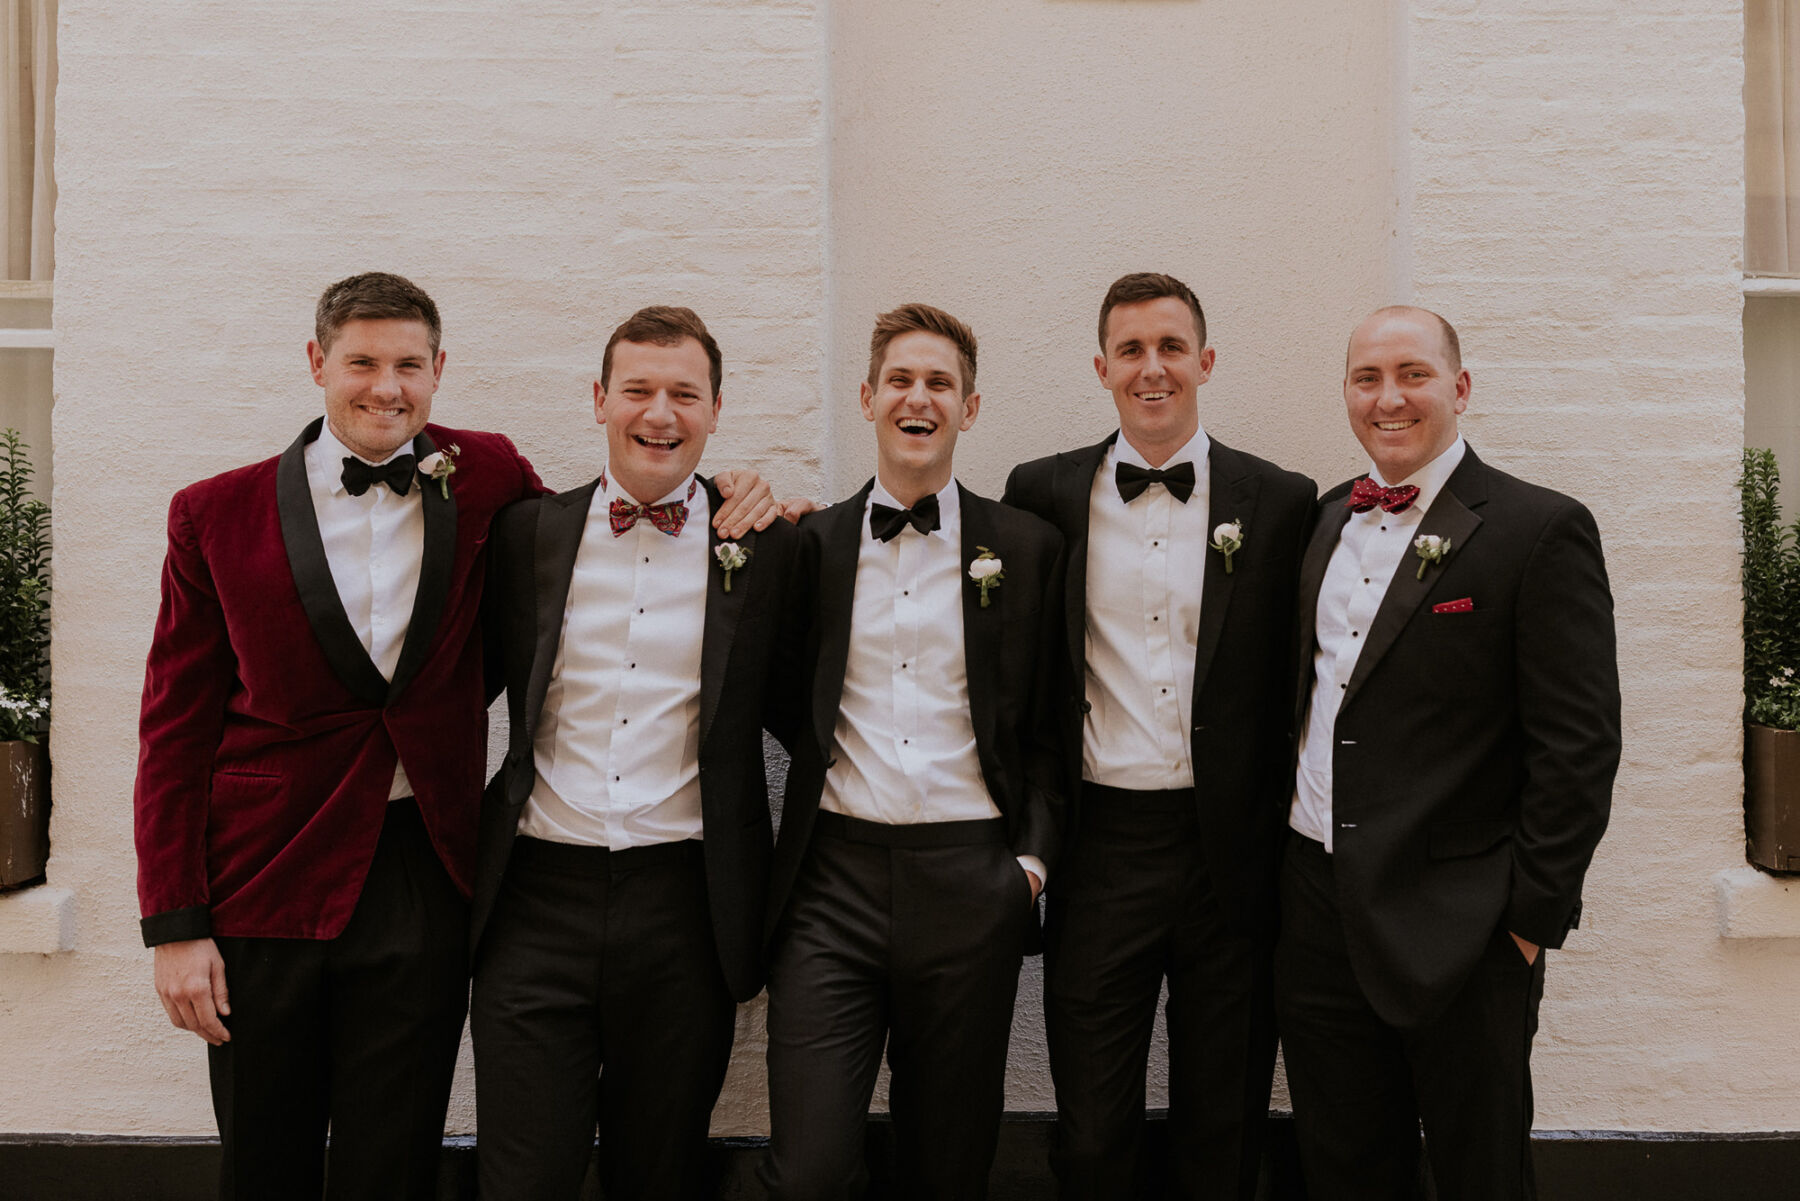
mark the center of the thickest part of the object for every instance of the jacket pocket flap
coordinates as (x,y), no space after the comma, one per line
(1451,840)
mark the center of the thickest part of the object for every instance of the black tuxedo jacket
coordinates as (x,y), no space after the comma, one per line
(751,634)
(1242,701)
(1011,652)
(1475,751)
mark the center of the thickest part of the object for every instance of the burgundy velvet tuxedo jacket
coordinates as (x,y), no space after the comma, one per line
(268,737)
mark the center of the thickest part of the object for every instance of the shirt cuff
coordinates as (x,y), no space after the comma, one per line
(1035,866)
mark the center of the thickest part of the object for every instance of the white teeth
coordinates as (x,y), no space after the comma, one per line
(385,412)
(1153,395)
(1392,426)
(662,442)
(912,423)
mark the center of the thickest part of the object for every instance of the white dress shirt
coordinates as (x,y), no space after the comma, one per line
(374,545)
(1145,563)
(618,743)
(1371,550)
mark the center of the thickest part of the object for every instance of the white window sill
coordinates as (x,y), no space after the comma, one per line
(1771,285)
(38,921)
(1754,904)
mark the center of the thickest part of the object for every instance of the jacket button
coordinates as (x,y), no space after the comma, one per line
(1086,707)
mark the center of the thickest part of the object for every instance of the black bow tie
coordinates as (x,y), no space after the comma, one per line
(1132,480)
(397,473)
(886,522)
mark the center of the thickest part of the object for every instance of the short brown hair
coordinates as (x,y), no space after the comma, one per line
(1452,343)
(665,325)
(1140,286)
(922,318)
(374,296)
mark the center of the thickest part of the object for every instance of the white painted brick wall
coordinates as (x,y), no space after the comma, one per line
(1578,213)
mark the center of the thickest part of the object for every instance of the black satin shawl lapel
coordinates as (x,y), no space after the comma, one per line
(983,627)
(435,566)
(324,609)
(840,544)
(561,520)
(1231,496)
(722,612)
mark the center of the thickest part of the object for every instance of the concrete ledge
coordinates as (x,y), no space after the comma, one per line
(1754,904)
(38,921)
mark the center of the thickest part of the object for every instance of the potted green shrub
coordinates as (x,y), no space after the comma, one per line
(1771,669)
(24,670)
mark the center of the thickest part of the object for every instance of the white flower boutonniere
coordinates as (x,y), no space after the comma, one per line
(440,465)
(1431,549)
(987,571)
(1228,540)
(731,557)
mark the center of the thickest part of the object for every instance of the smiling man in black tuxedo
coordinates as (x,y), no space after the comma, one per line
(1183,555)
(923,803)
(624,849)
(1460,716)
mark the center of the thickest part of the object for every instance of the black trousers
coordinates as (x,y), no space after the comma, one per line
(1133,905)
(357,1033)
(1362,1089)
(912,936)
(599,1004)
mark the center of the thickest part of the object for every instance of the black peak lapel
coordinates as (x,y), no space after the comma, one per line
(1231,496)
(1449,517)
(1074,490)
(840,543)
(343,650)
(561,518)
(1326,531)
(722,612)
(434,572)
(983,627)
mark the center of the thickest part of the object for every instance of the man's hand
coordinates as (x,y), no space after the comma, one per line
(1527,949)
(190,980)
(748,503)
(796,507)
(1037,885)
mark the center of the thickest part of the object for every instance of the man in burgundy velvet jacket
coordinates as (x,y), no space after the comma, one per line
(313,743)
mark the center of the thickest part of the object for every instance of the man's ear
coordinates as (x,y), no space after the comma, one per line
(971,406)
(713,426)
(1100,369)
(315,359)
(867,395)
(599,404)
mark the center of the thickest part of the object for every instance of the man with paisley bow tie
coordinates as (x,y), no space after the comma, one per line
(624,850)
(1182,559)
(313,740)
(922,807)
(1459,709)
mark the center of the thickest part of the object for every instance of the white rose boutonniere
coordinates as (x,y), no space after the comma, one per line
(987,571)
(731,557)
(1228,540)
(440,465)
(1431,549)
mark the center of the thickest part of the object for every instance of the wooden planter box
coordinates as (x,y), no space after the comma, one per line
(1772,798)
(24,812)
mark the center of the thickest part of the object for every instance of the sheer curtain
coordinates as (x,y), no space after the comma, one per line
(27,113)
(1772,142)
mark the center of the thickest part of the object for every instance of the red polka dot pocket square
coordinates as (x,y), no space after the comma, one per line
(1464,605)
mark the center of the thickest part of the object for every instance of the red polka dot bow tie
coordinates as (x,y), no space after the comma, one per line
(1366,494)
(668,517)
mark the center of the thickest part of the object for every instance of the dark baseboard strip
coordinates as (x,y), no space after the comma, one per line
(1572,1165)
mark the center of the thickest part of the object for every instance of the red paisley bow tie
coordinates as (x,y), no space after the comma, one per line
(668,517)
(1366,494)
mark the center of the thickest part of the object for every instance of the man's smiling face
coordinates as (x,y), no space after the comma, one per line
(1403,391)
(918,407)
(658,407)
(379,377)
(1153,366)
